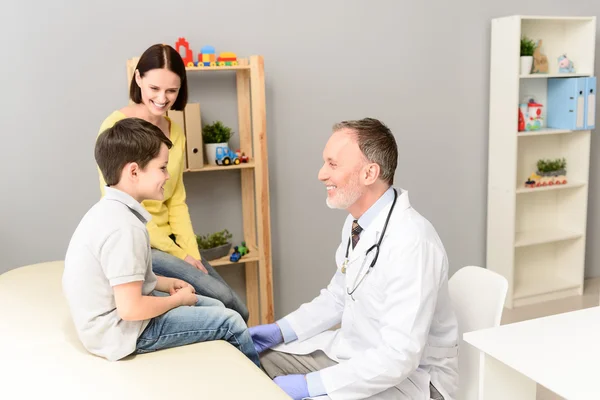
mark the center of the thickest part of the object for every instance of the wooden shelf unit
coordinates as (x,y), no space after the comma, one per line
(250,83)
(536,236)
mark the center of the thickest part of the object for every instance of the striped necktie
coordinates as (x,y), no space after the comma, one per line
(356,230)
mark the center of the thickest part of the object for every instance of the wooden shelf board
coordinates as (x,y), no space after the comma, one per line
(542,285)
(569,185)
(243,64)
(251,256)
(541,76)
(548,131)
(541,236)
(208,167)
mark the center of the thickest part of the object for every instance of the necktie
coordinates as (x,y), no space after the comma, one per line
(356,230)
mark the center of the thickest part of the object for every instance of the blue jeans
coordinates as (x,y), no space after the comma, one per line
(211,285)
(207,320)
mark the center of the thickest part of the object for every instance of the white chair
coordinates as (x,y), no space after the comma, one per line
(478,296)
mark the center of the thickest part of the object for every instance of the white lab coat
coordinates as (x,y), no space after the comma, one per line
(400,332)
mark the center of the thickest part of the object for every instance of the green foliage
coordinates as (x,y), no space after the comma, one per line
(213,240)
(216,133)
(551,165)
(527,46)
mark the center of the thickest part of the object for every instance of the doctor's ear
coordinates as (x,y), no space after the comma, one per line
(371,173)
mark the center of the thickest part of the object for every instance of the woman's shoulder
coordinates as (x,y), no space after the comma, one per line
(112,118)
(175,130)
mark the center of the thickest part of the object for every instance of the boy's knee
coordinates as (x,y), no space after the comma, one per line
(235,320)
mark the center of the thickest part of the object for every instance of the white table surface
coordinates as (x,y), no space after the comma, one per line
(560,352)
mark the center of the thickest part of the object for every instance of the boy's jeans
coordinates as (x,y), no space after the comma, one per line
(207,320)
(210,285)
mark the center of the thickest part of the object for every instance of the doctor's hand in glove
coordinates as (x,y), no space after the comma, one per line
(294,385)
(265,336)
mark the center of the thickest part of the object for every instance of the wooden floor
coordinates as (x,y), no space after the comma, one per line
(590,298)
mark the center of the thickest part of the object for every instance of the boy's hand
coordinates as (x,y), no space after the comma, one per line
(195,263)
(186,296)
(177,284)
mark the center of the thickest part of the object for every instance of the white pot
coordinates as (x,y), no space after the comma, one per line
(526,65)
(211,152)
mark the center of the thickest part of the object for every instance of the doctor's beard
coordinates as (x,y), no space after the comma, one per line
(344,198)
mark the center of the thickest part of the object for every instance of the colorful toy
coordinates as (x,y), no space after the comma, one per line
(227,59)
(206,57)
(188,59)
(243,249)
(225,156)
(549,173)
(530,116)
(236,255)
(565,65)
(242,156)
(540,61)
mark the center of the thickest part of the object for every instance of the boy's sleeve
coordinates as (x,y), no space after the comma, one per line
(124,256)
(179,217)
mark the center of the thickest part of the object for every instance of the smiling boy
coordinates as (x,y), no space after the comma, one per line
(118,305)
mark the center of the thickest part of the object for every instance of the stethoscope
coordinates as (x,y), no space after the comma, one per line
(374,247)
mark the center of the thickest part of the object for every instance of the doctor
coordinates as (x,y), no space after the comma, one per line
(398,335)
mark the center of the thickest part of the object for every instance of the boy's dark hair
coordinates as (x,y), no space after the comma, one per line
(128,140)
(161,56)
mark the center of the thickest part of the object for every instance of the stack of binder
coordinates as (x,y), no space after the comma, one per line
(190,122)
(571,103)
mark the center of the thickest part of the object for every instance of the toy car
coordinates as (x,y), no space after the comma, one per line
(243,249)
(242,156)
(227,59)
(235,256)
(225,156)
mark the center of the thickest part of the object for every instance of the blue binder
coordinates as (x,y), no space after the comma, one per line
(566,103)
(590,103)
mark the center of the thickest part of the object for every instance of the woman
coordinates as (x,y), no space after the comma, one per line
(159,84)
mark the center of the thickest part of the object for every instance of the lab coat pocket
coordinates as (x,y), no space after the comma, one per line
(370,299)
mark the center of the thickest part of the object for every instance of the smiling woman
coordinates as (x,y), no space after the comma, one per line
(159,84)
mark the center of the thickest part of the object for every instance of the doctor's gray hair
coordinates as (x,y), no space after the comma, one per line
(376,142)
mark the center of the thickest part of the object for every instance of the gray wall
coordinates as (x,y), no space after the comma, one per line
(421,68)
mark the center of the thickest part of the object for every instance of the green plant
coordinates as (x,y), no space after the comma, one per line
(527,46)
(213,240)
(545,166)
(216,133)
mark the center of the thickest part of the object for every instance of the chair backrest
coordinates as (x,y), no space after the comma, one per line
(478,296)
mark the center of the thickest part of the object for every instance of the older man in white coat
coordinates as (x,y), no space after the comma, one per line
(398,335)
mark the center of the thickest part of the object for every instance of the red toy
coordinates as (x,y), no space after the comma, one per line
(188,60)
(242,156)
(521,121)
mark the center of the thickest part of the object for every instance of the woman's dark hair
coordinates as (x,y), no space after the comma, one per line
(161,56)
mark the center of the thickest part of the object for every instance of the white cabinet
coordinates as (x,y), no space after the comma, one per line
(536,236)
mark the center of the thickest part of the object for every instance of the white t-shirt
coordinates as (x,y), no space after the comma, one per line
(111,246)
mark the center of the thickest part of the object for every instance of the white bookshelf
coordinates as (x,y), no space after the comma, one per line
(536,236)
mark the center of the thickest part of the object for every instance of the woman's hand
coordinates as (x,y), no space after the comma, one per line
(195,263)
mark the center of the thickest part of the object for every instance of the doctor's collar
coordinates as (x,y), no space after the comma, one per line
(369,216)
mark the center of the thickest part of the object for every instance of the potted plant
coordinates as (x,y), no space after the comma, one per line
(215,135)
(214,245)
(527,50)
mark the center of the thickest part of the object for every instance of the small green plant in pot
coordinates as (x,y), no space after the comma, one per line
(214,245)
(527,49)
(215,135)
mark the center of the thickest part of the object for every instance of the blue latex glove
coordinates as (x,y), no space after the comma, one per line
(265,336)
(294,385)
